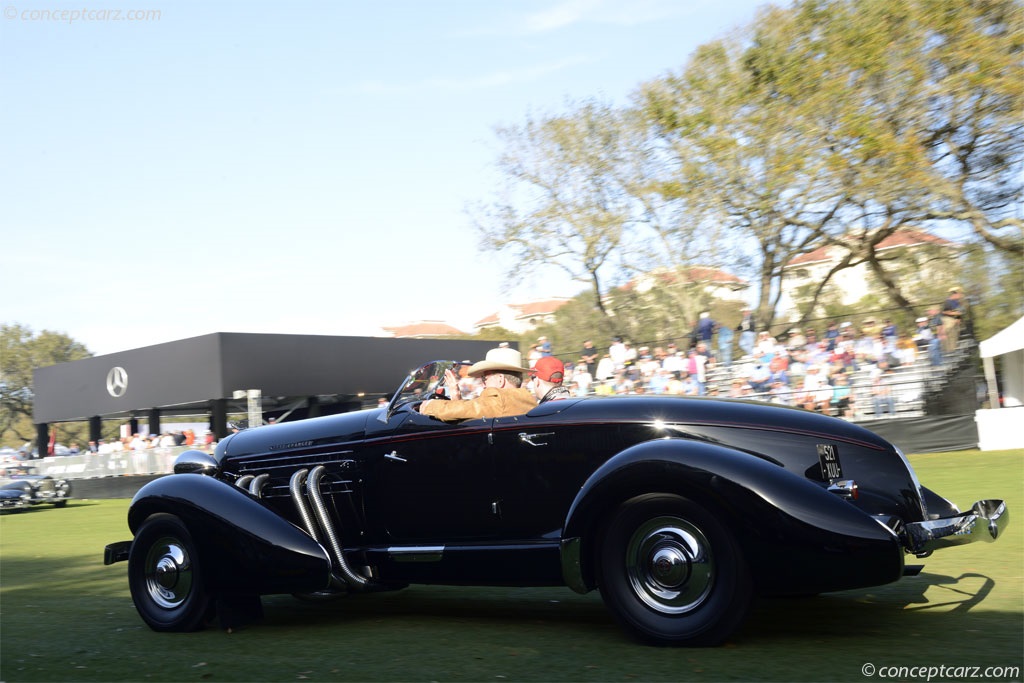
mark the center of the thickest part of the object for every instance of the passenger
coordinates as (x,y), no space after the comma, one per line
(548,374)
(503,394)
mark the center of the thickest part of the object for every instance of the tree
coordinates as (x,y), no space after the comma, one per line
(994,284)
(828,123)
(741,162)
(575,322)
(842,121)
(972,118)
(20,352)
(928,119)
(564,204)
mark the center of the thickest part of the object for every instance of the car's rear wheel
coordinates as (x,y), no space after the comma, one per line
(672,573)
(165,576)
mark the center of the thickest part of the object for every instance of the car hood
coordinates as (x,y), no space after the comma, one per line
(313,432)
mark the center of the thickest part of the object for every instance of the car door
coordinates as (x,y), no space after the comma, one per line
(540,464)
(433,480)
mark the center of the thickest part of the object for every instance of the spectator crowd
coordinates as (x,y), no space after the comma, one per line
(141,442)
(831,368)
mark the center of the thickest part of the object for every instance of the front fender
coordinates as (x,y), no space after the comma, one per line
(245,547)
(796,537)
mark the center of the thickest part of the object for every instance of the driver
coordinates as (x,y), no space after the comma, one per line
(503,395)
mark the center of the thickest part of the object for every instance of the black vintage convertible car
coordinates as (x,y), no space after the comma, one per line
(21,485)
(679,510)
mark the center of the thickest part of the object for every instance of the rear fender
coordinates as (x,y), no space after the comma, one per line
(937,505)
(828,543)
(245,547)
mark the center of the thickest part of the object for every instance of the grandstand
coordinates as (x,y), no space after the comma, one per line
(915,386)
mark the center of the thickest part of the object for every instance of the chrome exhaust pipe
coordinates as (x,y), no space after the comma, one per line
(308,523)
(320,510)
(243,482)
(256,485)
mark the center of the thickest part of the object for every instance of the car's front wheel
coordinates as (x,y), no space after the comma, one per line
(165,576)
(672,573)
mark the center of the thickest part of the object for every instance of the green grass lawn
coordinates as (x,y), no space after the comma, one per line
(66,617)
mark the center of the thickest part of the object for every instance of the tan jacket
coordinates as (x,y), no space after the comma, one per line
(493,402)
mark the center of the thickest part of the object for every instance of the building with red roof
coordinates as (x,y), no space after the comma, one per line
(854,283)
(716,282)
(424,329)
(523,317)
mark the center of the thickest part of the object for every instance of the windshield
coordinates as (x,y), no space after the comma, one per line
(15,470)
(425,382)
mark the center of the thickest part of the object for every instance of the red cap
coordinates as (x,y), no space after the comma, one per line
(549,369)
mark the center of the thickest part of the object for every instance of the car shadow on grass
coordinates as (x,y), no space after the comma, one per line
(445,602)
(926,604)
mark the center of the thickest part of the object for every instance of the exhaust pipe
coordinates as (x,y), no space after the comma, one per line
(353,579)
(318,525)
(308,523)
(256,485)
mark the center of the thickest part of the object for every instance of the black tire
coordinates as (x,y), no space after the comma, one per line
(165,576)
(672,573)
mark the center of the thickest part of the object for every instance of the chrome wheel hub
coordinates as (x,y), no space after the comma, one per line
(168,573)
(669,565)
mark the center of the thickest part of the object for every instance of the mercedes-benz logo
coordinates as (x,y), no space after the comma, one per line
(117,382)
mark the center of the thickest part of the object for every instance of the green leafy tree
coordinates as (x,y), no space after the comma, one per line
(826,123)
(739,159)
(496,334)
(575,322)
(994,287)
(919,104)
(971,113)
(20,352)
(564,204)
(840,122)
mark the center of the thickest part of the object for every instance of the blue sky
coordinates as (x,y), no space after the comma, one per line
(294,168)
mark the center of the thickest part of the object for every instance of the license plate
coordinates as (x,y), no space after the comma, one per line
(828,455)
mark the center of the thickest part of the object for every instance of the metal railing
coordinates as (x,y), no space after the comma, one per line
(115,464)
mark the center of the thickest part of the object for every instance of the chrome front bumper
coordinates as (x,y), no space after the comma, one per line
(985,522)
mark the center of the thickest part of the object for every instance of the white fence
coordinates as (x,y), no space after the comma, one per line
(120,463)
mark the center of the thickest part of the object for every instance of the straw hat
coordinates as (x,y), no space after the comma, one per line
(499,360)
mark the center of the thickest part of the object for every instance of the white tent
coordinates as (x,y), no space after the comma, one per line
(1009,340)
(998,427)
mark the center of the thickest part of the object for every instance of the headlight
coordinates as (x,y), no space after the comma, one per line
(197,462)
